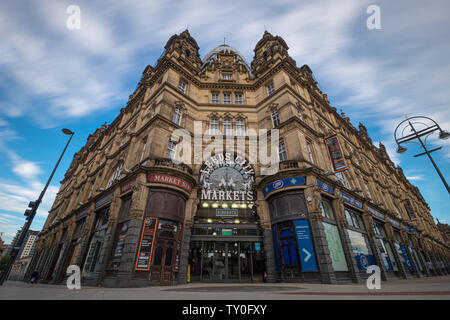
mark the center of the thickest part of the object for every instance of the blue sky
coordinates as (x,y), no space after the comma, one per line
(52,77)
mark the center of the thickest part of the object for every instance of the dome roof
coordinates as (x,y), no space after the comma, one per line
(211,56)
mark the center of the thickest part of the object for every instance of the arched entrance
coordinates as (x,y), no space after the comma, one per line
(227,240)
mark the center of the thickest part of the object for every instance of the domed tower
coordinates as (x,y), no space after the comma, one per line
(225,63)
(183,49)
(268,52)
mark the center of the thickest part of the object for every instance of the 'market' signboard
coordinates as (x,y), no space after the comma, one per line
(335,153)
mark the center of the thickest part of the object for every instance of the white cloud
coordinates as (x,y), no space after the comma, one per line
(27,169)
(416,177)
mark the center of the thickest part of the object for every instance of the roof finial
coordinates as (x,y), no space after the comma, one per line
(224,40)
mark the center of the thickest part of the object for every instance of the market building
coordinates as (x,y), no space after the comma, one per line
(129,214)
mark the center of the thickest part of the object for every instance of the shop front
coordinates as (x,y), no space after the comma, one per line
(295,254)
(227,241)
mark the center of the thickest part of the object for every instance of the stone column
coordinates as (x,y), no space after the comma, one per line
(262,209)
(105,252)
(132,238)
(313,200)
(190,211)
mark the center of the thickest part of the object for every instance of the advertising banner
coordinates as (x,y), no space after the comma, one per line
(305,245)
(405,254)
(335,246)
(335,153)
(146,244)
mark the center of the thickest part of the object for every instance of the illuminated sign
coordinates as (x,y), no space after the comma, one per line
(226,177)
(335,153)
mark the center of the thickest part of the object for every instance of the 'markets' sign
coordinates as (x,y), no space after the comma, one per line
(226,177)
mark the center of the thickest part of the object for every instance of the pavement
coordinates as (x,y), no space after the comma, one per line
(432,288)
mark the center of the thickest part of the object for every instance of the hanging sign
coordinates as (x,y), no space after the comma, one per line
(335,153)
(305,245)
(146,244)
(283,183)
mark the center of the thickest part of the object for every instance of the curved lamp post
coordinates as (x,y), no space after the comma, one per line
(428,126)
(30,213)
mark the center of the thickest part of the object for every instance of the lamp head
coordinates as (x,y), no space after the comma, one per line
(67,131)
(401,149)
(444,135)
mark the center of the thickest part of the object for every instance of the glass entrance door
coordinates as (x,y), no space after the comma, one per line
(233,261)
(220,261)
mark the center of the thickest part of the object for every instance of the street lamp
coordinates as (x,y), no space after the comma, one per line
(30,213)
(428,127)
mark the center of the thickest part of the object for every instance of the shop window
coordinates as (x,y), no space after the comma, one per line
(118,244)
(361,250)
(354,219)
(327,209)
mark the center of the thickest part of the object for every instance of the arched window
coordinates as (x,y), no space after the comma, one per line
(227,127)
(214,126)
(240,127)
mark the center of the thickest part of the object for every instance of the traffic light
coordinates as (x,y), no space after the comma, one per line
(32,205)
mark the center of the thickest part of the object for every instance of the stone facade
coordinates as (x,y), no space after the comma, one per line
(123,181)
